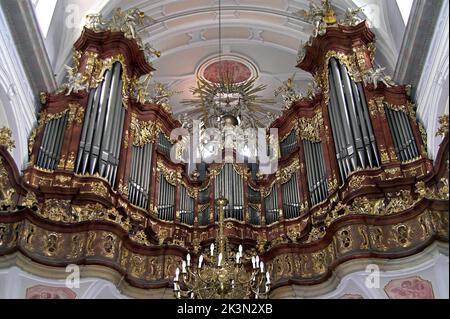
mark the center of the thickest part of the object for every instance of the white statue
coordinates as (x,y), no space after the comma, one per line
(377,75)
(95,22)
(74,81)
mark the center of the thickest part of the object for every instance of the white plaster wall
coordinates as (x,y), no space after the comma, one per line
(432,92)
(17,101)
(434,268)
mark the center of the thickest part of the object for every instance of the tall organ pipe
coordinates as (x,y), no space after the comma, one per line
(88,113)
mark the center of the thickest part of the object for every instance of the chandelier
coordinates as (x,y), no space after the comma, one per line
(222,274)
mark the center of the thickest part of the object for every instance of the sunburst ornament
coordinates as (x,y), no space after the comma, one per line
(212,101)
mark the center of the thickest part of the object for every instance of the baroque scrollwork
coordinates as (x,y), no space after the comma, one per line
(6,138)
(144,132)
(126,22)
(310,128)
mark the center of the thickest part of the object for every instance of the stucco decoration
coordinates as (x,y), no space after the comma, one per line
(409,288)
(48,292)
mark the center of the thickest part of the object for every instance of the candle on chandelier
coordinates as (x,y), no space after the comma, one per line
(219,260)
(212,249)
(261,265)
(183,267)
(267,278)
(257,262)
(188,259)
(253,262)
(177,273)
(200,261)
(237,257)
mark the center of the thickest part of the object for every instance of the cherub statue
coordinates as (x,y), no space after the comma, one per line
(75,81)
(133,18)
(312,90)
(288,92)
(150,52)
(351,17)
(319,16)
(377,75)
(95,22)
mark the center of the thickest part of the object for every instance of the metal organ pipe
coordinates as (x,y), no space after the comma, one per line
(397,143)
(100,142)
(84,130)
(50,149)
(108,111)
(363,124)
(351,108)
(60,139)
(365,109)
(341,148)
(343,114)
(351,124)
(43,146)
(51,145)
(90,129)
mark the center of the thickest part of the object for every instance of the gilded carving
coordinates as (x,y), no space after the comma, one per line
(345,240)
(29,200)
(140,237)
(70,163)
(356,182)
(144,132)
(52,244)
(365,239)
(109,244)
(137,266)
(76,246)
(284,175)
(6,138)
(310,128)
(377,235)
(443,129)
(402,233)
(90,243)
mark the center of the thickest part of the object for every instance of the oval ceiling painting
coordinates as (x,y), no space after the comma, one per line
(229,69)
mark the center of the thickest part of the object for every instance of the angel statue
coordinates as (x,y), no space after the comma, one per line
(95,22)
(150,52)
(319,16)
(288,92)
(351,17)
(74,81)
(133,18)
(377,75)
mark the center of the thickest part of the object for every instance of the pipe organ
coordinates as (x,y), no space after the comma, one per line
(352,129)
(164,145)
(139,180)
(50,150)
(289,144)
(186,207)
(400,127)
(103,126)
(345,128)
(315,169)
(166,199)
(231,185)
(105,152)
(291,197)
(271,204)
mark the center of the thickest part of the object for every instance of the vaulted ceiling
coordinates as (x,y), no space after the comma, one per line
(267,33)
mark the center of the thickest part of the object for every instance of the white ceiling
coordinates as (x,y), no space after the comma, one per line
(263,31)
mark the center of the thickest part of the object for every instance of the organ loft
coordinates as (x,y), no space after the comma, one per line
(155,187)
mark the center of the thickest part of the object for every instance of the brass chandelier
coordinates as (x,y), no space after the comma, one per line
(222,274)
